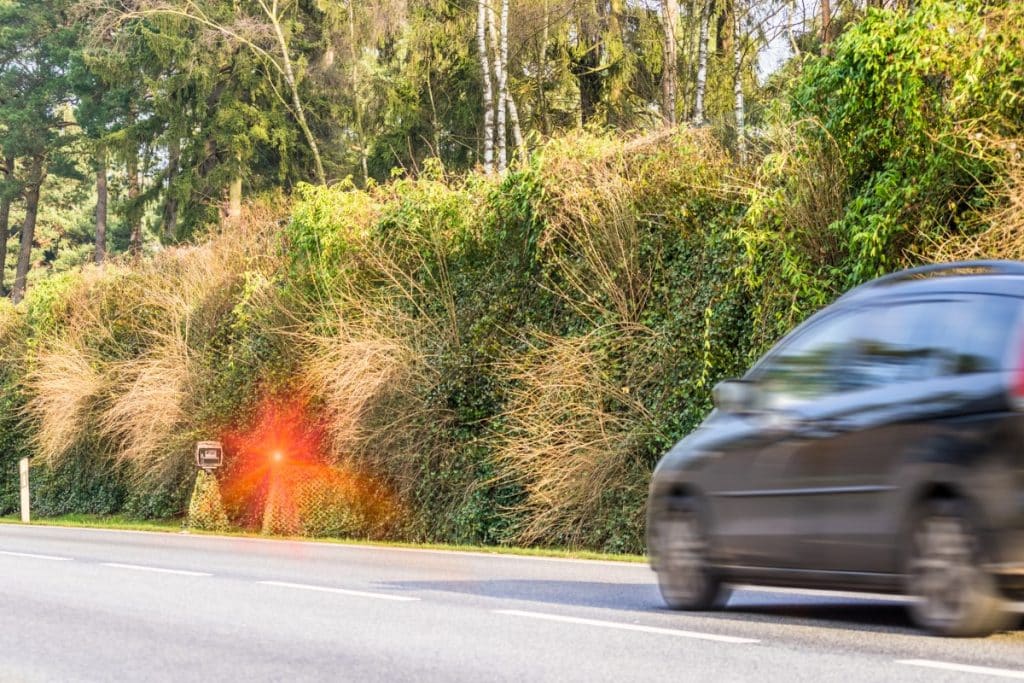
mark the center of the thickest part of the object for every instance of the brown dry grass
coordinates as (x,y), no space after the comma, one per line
(803,185)
(572,436)
(1000,231)
(596,195)
(64,385)
(121,366)
(368,358)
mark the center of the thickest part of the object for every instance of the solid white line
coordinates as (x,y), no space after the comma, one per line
(161,570)
(627,627)
(339,591)
(964,668)
(36,557)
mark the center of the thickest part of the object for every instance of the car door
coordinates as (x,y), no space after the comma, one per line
(915,364)
(752,477)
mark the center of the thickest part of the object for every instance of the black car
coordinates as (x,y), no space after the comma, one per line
(878,447)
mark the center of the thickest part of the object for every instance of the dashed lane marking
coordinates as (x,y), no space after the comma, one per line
(159,570)
(339,591)
(34,556)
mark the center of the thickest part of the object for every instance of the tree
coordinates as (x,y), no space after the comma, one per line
(36,41)
(670,17)
(264,28)
(488,94)
(8,191)
(702,62)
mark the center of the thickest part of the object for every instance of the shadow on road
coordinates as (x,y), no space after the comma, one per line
(622,596)
(846,613)
(818,611)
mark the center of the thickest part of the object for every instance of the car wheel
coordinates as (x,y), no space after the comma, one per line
(685,576)
(953,594)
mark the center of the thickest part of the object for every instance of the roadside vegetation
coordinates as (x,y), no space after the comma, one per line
(473,357)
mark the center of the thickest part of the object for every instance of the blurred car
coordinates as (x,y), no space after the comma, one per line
(878,447)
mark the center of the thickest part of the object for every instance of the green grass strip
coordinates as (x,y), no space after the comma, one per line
(120,522)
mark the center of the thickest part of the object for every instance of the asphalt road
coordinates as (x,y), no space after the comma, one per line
(90,605)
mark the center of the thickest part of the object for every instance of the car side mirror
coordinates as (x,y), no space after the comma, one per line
(735,396)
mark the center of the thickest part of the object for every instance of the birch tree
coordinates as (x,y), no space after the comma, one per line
(485,66)
(501,76)
(702,63)
(669,86)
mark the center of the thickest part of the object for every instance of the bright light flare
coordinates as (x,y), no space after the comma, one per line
(274,462)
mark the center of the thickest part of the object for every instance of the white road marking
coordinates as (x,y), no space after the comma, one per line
(34,556)
(340,591)
(964,668)
(160,570)
(627,627)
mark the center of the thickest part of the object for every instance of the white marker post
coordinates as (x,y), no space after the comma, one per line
(26,515)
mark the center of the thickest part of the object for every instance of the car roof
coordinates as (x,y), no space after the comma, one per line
(968,277)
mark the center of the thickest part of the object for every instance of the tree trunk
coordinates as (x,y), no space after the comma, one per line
(100,253)
(542,73)
(501,75)
(360,128)
(702,64)
(28,229)
(740,105)
(293,87)
(5,223)
(134,211)
(170,217)
(481,44)
(513,111)
(235,201)
(669,87)
(826,27)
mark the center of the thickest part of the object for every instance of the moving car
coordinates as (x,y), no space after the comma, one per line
(878,447)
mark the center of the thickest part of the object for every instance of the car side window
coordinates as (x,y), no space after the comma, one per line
(983,326)
(897,343)
(804,369)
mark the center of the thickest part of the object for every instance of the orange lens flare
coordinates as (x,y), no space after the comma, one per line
(279,476)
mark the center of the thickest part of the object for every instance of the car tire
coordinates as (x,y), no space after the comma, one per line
(953,594)
(685,576)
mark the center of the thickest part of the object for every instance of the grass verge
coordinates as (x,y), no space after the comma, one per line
(123,523)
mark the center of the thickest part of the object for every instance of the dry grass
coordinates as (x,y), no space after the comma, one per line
(591,227)
(65,385)
(572,437)
(803,185)
(597,194)
(121,365)
(144,415)
(365,356)
(1000,233)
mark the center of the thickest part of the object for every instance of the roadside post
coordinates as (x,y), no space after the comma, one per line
(206,507)
(26,514)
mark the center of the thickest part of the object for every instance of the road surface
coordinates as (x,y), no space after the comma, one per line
(92,605)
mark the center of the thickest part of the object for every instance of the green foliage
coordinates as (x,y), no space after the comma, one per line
(503,359)
(206,508)
(876,160)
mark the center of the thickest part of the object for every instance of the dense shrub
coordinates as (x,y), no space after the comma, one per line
(503,359)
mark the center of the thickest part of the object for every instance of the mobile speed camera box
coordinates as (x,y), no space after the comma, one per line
(209,454)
